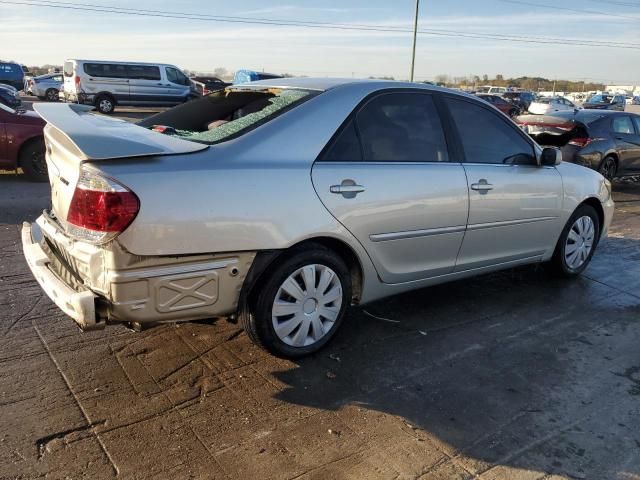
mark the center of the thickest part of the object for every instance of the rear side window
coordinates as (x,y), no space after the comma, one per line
(143,72)
(345,147)
(636,120)
(487,138)
(622,125)
(109,70)
(401,127)
(9,68)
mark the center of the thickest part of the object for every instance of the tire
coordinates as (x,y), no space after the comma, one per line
(32,161)
(105,104)
(608,168)
(582,229)
(303,328)
(51,95)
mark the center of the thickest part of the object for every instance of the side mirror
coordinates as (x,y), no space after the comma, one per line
(550,157)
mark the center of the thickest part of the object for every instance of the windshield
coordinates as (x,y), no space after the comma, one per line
(225,114)
(600,98)
(6,109)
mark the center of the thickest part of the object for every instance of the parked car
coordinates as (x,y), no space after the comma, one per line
(108,84)
(606,141)
(606,101)
(283,202)
(501,104)
(201,86)
(9,96)
(547,105)
(491,90)
(636,100)
(521,99)
(22,142)
(45,86)
(12,74)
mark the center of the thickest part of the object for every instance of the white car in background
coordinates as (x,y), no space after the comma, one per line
(547,105)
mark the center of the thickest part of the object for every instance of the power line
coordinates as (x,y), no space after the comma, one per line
(310,24)
(568,9)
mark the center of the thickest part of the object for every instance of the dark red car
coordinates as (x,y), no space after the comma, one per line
(22,142)
(501,104)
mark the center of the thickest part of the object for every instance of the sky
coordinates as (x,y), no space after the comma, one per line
(36,35)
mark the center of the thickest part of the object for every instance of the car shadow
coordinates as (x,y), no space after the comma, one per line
(22,199)
(516,369)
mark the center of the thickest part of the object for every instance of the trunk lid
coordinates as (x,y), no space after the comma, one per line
(554,131)
(73,136)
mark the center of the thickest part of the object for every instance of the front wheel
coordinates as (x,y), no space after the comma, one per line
(577,242)
(300,305)
(608,168)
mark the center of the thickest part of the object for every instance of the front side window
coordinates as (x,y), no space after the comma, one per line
(487,138)
(176,76)
(401,127)
(622,125)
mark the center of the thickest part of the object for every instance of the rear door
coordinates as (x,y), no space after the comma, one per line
(146,85)
(386,176)
(514,204)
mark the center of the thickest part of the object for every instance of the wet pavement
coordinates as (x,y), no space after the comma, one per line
(515,375)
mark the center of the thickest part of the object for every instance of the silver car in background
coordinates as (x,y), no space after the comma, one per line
(283,202)
(45,87)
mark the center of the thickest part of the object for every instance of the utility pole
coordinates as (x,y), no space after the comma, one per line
(415,36)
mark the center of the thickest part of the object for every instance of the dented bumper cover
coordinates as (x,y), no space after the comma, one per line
(96,285)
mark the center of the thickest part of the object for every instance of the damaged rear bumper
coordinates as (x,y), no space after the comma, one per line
(79,305)
(99,285)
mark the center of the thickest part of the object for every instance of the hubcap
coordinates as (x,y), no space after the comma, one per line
(105,105)
(307,305)
(579,242)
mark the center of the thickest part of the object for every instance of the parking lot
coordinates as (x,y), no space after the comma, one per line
(514,375)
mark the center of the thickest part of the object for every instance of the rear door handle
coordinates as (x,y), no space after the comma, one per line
(348,189)
(482,186)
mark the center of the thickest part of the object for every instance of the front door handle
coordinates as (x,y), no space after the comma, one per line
(348,189)
(482,186)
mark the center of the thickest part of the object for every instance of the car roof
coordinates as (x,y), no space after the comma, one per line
(80,60)
(324,84)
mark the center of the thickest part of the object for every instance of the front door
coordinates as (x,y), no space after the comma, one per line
(514,204)
(178,85)
(627,143)
(146,85)
(387,178)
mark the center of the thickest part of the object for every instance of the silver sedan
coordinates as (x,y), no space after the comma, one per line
(282,203)
(45,87)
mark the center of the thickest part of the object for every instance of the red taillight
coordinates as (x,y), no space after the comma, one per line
(100,208)
(77,80)
(580,142)
(206,91)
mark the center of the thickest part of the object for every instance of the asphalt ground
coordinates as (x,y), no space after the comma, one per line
(513,375)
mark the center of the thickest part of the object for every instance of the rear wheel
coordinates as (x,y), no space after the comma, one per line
(300,305)
(577,242)
(52,95)
(32,161)
(608,168)
(105,104)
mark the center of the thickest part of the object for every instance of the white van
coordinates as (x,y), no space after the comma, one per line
(106,84)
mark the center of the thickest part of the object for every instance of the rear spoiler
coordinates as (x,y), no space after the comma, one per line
(97,137)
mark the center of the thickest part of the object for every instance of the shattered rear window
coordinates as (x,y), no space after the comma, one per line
(260,109)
